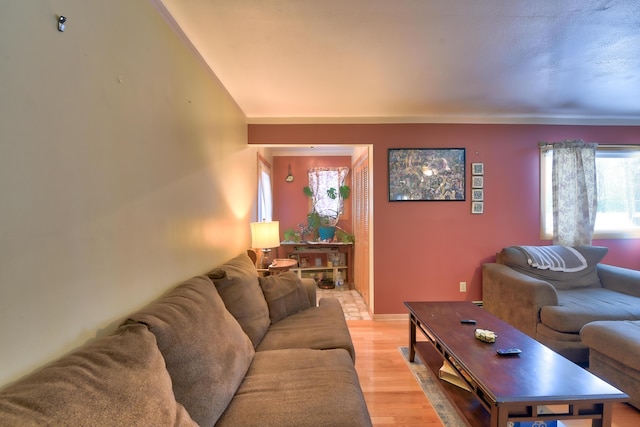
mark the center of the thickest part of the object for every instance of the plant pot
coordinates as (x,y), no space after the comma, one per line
(309,237)
(326,233)
(326,284)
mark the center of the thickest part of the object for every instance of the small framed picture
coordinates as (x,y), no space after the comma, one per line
(477,168)
(477,195)
(477,181)
(477,207)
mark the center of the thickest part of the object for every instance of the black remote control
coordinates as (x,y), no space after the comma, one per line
(468,321)
(508,351)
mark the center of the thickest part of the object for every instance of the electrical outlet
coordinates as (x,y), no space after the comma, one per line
(463,286)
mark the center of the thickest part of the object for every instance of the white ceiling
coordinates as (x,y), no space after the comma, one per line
(474,61)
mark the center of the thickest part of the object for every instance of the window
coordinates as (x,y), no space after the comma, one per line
(320,181)
(618,180)
(265,198)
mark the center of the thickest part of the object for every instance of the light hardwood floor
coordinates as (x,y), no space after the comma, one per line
(394,397)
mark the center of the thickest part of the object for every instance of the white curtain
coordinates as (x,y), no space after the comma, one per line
(574,192)
(320,180)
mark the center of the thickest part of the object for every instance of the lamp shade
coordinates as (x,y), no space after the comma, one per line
(265,234)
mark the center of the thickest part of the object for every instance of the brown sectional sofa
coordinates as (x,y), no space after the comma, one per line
(225,349)
(592,316)
(553,306)
(614,354)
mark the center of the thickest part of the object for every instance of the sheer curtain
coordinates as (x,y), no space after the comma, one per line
(574,192)
(320,180)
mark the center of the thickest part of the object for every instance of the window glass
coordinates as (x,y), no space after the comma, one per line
(265,197)
(618,178)
(320,181)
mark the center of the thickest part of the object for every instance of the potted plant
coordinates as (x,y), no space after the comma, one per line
(345,237)
(326,222)
(327,228)
(291,235)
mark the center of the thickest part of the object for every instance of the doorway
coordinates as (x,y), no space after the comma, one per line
(291,207)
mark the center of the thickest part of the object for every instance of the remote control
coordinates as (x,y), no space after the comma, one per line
(508,351)
(468,321)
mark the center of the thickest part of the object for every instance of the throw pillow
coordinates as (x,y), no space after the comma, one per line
(285,295)
(118,380)
(587,278)
(241,293)
(206,352)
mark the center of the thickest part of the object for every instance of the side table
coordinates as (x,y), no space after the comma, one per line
(281,265)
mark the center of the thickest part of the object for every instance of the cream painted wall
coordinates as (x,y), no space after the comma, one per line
(124,169)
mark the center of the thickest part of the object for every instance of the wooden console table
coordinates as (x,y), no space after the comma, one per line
(509,388)
(315,257)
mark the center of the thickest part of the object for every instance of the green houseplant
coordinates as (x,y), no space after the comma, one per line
(291,235)
(325,223)
(345,237)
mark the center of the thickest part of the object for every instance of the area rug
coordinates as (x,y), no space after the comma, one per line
(432,390)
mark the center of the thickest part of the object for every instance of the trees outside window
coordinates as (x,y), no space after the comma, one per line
(618,188)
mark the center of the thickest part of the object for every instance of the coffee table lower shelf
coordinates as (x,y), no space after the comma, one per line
(464,402)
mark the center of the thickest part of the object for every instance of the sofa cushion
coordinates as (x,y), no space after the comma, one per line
(587,278)
(242,295)
(206,352)
(545,334)
(322,327)
(614,354)
(117,380)
(580,306)
(285,295)
(299,387)
(618,340)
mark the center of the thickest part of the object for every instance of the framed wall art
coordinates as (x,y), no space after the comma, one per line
(426,174)
(477,182)
(477,195)
(477,168)
(477,207)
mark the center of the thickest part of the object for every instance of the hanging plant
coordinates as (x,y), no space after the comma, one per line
(344,192)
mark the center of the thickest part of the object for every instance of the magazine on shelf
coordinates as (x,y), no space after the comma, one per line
(449,374)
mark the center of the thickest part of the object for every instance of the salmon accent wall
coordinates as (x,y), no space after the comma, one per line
(423,250)
(290,204)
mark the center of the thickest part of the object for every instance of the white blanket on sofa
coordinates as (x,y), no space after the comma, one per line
(555,258)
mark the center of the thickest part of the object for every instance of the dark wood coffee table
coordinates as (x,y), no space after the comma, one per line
(505,388)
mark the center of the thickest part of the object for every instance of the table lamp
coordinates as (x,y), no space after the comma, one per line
(265,235)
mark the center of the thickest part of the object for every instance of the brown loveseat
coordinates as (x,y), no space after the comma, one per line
(225,349)
(553,306)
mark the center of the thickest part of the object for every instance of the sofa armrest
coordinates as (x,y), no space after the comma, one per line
(515,297)
(619,279)
(310,287)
